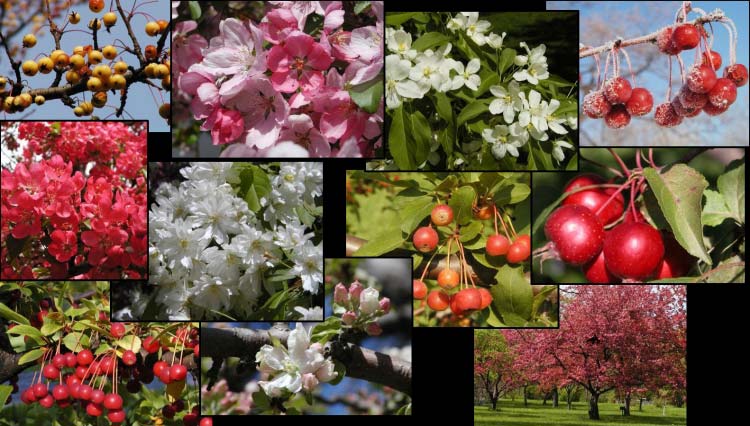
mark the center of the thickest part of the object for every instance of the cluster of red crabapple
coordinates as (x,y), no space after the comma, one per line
(631,251)
(469,298)
(617,101)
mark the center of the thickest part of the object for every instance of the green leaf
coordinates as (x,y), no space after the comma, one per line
(506,60)
(75,341)
(5,392)
(360,6)
(512,294)
(131,342)
(429,40)
(470,111)
(679,192)
(732,186)
(715,210)
(540,298)
(261,401)
(461,202)
(731,270)
(512,193)
(195,10)
(367,95)
(397,141)
(49,328)
(443,107)
(384,242)
(27,330)
(413,211)
(422,135)
(31,356)
(470,231)
(11,315)
(324,331)
(396,19)
(341,370)
(542,159)
(489,79)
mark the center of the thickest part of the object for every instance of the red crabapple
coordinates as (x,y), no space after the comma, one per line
(701,78)
(686,37)
(596,271)
(680,109)
(640,102)
(618,117)
(712,59)
(617,90)
(633,250)
(737,73)
(595,104)
(724,93)
(714,110)
(448,278)
(664,42)
(442,215)
(419,289)
(576,232)
(666,116)
(438,300)
(497,245)
(425,239)
(691,100)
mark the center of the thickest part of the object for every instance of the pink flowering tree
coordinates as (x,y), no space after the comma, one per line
(622,338)
(74,205)
(290,79)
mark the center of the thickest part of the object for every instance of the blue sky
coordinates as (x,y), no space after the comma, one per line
(143,101)
(605,21)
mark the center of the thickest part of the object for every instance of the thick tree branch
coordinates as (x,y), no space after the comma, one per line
(360,363)
(714,16)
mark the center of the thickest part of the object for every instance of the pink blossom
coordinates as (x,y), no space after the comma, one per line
(385,304)
(300,129)
(348,149)
(341,117)
(206,100)
(264,111)
(187,48)
(239,150)
(334,17)
(238,52)
(278,24)
(299,62)
(286,150)
(225,125)
(300,9)
(374,329)
(340,294)
(348,317)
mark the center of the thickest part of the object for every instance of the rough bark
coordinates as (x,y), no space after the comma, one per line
(627,405)
(594,406)
(555,398)
(360,363)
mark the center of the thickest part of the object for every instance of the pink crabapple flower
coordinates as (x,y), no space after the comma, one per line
(300,9)
(278,24)
(301,130)
(334,17)
(263,109)
(187,49)
(225,126)
(298,63)
(237,51)
(286,149)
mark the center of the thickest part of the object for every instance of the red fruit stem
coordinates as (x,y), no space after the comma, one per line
(494,208)
(620,162)
(683,74)
(502,222)
(512,229)
(715,16)
(729,25)
(638,159)
(427,267)
(669,86)
(449,252)
(608,168)
(651,157)
(468,274)
(630,67)
(620,188)
(598,70)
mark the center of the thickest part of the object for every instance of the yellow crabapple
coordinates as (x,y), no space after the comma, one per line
(121,67)
(109,52)
(95,23)
(79,50)
(94,84)
(72,77)
(99,99)
(78,111)
(77,61)
(45,65)
(150,52)
(109,19)
(74,17)
(150,70)
(118,81)
(62,60)
(95,57)
(30,68)
(166,82)
(87,107)
(24,99)
(39,100)
(101,71)
(29,40)
(161,71)
(163,25)
(96,6)
(54,54)
(152,28)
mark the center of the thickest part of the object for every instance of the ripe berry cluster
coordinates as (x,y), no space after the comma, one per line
(469,298)
(617,101)
(89,376)
(632,250)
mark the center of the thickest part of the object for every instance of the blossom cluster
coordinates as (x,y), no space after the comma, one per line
(526,116)
(270,89)
(360,307)
(300,366)
(75,206)
(209,253)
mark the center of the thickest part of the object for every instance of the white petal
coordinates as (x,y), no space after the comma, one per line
(473,66)
(409,89)
(557,128)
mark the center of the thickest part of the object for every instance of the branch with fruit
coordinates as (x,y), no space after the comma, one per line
(649,223)
(616,99)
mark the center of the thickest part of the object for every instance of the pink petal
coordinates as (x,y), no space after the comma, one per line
(90,238)
(318,58)
(283,82)
(277,59)
(234,32)
(298,44)
(224,58)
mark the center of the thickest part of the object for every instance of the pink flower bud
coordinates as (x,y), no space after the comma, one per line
(309,381)
(317,347)
(354,290)
(348,317)
(340,294)
(385,305)
(374,329)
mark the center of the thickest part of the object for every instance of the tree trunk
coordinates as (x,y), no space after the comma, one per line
(640,404)
(525,399)
(544,399)
(555,402)
(594,406)
(627,405)
(494,403)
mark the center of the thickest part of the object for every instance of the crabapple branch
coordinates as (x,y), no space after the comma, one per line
(361,363)
(136,46)
(715,16)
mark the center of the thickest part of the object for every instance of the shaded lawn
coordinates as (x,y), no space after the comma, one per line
(515,414)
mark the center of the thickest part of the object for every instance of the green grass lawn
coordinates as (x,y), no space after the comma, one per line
(513,413)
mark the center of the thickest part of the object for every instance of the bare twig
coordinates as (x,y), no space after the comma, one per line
(714,16)
(136,46)
(16,65)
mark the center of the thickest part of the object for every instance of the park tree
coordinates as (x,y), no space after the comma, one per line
(620,338)
(493,365)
